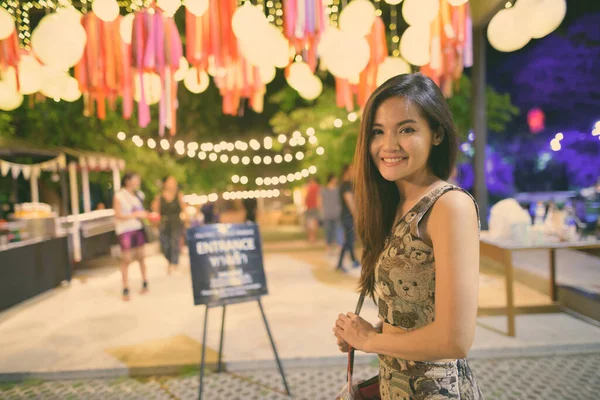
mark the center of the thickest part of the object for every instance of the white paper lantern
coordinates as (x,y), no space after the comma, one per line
(195,85)
(299,75)
(267,74)
(542,16)
(152,87)
(170,7)
(197,7)
(346,55)
(311,89)
(506,31)
(59,40)
(126,28)
(71,90)
(247,21)
(415,46)
(393,2)
(419,12)
(456,3)
(7,24)
(266,47)
(182,71)
(10,99)
(391,67)
(106,10)
(54,82)
(30,74)
(358,17)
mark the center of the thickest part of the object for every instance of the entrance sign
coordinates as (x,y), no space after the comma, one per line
(226,263)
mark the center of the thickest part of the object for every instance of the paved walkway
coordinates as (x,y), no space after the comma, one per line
(573,377)
(85,330)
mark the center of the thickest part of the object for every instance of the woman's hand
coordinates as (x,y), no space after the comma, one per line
(343,346)
(352,330)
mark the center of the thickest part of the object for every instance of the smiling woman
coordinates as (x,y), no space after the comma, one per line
(420,234)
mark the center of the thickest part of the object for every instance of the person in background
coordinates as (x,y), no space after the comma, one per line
(129,212)
(251,206)
(169,204)
(209,212)
(347,201)
(332,211)
(312,203)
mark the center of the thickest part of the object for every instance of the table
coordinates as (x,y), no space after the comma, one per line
(31,267)
(501,251)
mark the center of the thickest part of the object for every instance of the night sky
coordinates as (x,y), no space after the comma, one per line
(559,73)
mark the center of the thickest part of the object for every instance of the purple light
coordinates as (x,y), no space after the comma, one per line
(471,136)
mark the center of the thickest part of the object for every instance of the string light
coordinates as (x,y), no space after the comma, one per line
(251,194)
(395,45)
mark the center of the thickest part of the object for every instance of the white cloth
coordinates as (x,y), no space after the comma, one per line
(129,204)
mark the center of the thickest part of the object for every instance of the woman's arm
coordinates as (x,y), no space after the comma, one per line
(454,232)
(155,205)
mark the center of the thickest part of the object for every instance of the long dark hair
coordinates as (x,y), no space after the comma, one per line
(127,177)
(377,199)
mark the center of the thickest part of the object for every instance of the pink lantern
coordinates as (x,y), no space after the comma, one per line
(535,120)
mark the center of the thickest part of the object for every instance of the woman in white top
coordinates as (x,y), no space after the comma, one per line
(129,211)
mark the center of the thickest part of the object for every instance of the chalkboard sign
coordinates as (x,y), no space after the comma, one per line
(226,263)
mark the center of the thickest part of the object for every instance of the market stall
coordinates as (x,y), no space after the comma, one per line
(34,253)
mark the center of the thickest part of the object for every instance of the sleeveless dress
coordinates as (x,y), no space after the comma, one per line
(405,294)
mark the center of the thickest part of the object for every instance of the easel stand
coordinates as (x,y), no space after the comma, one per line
(219,364)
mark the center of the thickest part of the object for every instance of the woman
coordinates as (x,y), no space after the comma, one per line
(332,210)
(170,206)
(406,213)
(129,212)
(348,216)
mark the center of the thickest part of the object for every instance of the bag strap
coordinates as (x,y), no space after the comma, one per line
(361,300)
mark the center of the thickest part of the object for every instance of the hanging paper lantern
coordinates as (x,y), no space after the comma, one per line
(10,99)
(247,20)
(456,3)
(535,120)
(267,74)
(393,2)
(197,7)
(414,45)
(391,67)
(196,82)
(30,74)
(54,82)
(71,90)
(106,10)
(419,12)
(152,88)
(299,75)
(59,40)
(358,17)
(346,54)
(270,48)
(7,24)
(182,71)
(543,16)
(506,30)
(126,28)
(170,7)
(311,89)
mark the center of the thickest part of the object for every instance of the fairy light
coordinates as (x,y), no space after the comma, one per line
(278,179)
(279,14)
(335,8)
(394,29)
(378,8)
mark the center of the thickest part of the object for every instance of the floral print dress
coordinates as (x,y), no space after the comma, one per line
(405,293)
